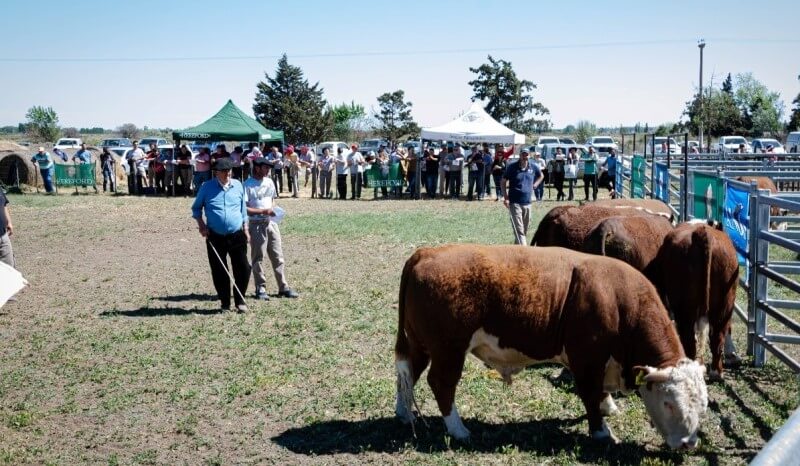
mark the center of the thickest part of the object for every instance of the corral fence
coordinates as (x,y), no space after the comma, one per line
(706,186)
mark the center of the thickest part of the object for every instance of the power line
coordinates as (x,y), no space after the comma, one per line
(386,53)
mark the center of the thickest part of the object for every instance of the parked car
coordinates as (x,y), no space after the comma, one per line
(730,145)
(793,142)
(659,141)
(602,143)
(333,146)
(68,143)
(760,145)
(116,142)
(544,140)
(549,154)
(371,145)
(144,143)
(564,140)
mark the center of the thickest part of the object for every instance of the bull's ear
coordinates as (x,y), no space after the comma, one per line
(657,376)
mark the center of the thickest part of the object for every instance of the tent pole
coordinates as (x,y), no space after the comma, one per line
(417,181)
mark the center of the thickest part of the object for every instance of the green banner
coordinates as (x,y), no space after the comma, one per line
(81,174)
(638,167)
(376,177)
(708,196)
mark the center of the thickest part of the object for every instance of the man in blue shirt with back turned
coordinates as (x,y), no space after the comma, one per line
(226,233)
(518,184)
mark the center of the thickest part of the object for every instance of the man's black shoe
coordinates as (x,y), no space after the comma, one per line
(288,293)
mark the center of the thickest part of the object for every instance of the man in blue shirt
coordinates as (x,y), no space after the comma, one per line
(611,166)
(518,184)
(46,167)
(226,233)
(83,155)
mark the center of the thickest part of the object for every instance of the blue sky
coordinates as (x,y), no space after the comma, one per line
(609,62)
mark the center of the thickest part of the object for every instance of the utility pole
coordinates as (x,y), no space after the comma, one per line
(701,44)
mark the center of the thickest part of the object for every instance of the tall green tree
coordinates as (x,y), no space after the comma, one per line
(509,99)
(794,120)
(720,115)
(762,109)
(727,85)
(584,130)
(289,103)
(42,124)
(347,119)
(394,116)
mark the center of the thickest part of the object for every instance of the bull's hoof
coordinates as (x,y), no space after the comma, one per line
(608,407)
(732,360)
(714,376)
(605,435)
(462,435)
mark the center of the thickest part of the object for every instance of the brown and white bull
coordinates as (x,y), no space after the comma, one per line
(765,182)
(696,272)
(569,226)
(512,307)
(633,240)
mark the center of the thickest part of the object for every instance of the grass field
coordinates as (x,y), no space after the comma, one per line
(116,354)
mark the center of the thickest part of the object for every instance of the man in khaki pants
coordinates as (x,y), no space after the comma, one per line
(265,236)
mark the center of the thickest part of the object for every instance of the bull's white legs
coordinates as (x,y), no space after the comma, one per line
(405,392)
(730,350)
(454,425)
(608,407)
(701,336)
(605,434)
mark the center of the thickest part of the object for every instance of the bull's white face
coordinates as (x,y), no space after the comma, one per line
(676,399)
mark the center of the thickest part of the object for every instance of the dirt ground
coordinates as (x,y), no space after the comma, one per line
(117,354)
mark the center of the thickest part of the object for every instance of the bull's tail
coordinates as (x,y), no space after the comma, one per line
(402,354)
(702,244)
(606,234)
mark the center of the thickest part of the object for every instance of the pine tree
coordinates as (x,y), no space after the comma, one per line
(394,117)
(794,120)
(287,102)
(509,98)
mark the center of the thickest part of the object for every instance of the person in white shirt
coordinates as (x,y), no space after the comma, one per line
(356,163)
(341,173)
(265,236)
(137,178)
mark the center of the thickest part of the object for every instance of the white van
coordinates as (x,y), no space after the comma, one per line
(793,142)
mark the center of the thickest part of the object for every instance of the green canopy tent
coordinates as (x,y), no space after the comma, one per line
(229,124)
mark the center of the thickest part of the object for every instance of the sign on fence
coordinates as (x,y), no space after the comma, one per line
(736,220)
(662,183)
(708,196)
(638,166)
(75,175)
(387,176)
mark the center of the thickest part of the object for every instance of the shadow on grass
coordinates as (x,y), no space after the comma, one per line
(388,435)
(158,312)
(187,297)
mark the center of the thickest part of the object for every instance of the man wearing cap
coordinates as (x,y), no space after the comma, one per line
(265,236)
(46,166)
(519,181)
(226,233)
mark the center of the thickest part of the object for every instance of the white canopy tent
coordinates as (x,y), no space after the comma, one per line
(473,127)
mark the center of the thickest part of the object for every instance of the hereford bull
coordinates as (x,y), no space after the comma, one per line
(653,205)
(765,182)
(634,240)
(569,226)
(696,272)
(512,307)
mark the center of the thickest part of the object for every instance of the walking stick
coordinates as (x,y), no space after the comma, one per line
(36,178)
(225,266)
(75,166)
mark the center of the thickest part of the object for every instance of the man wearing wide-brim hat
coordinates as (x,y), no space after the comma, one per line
(225,230)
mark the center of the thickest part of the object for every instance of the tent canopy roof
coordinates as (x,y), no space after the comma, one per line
(229,124)
(474,126)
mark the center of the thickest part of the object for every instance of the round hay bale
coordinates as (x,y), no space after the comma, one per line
(15,166)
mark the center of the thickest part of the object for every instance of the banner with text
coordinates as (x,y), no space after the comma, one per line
(736,220)
(662,183)
(81,174)
(637,177)
(384,176)
(708,196)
